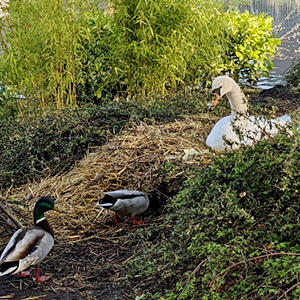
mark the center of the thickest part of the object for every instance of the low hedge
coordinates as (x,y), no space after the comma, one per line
(233,232)
(34,148)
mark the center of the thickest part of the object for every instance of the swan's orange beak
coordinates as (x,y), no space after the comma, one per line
(215,102)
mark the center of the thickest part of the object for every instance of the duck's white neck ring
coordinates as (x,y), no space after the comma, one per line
(40,220)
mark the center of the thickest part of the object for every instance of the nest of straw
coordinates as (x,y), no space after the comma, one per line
(132,160)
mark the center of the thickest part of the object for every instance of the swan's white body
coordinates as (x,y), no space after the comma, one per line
(239,128)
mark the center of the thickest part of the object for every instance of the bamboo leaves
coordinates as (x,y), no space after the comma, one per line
(44,43)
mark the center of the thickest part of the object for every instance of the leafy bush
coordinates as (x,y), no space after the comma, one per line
(250,45)
(231,233)
(79,52)
(42,50)
(154,51)
(8,103)
(33,148)
(96,85)
(154,46)
(293,76)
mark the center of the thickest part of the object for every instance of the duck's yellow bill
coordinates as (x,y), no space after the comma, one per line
(58,209)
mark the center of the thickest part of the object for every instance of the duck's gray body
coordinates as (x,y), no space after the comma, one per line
(27,247)
(125,202)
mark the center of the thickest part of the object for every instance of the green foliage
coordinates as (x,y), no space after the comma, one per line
(293,76)
(80,53)
(231,233)
(49,144)
(97,85)
(251,45)
(153,51)
(8,103)
(156,45)
(43,52)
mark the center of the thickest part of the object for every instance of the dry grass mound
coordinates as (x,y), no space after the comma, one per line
(132,160)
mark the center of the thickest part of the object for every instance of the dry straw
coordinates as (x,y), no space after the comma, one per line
(132,160)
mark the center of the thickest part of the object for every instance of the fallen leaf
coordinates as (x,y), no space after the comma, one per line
(243,194)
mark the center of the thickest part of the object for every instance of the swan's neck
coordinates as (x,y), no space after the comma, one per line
(238,102)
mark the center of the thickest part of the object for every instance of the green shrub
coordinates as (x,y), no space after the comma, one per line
(154,51)
(156,45)
(250,45)
(231,233)
(293,76)
(8,103)
(79,53)
(96,85)
(42,50)
(46,145)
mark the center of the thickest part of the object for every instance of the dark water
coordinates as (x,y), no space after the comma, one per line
(286,15)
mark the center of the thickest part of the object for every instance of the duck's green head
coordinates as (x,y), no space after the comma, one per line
(42,205)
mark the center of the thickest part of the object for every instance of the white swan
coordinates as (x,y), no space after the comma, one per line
(239,128)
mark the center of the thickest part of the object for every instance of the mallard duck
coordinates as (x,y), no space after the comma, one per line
(239,128)
(28,247)
(125,203)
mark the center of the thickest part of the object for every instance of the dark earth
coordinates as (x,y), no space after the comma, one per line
(93,266)
(90,268)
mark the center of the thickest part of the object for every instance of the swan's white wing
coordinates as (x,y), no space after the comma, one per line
(285,119)
(260,127)
(221,131)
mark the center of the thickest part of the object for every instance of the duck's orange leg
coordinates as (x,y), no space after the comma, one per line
(116,219)
(41,278)
(136,222)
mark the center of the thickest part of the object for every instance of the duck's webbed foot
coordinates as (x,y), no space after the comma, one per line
(24,274)
(41,278)
(136,222)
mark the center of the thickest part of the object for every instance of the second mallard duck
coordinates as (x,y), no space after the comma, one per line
(125,203)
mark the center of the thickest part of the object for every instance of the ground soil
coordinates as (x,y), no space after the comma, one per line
(92,267)
(280,98)
(88,268)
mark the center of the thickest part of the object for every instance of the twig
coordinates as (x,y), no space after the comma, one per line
(288,290)
(127,259)
(196,270)
(257,258)
(15,221)
(5,221)
(199,266)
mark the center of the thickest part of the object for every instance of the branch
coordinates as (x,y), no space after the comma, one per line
(14,220)
(288,290)
(257,258)
(199,266)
